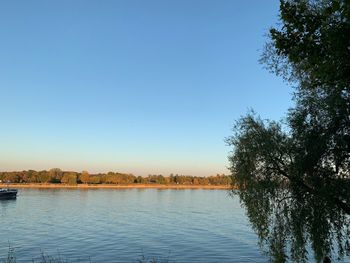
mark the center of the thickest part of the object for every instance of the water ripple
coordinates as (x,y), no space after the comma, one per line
(121,225)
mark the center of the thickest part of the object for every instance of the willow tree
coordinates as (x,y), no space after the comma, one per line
(294,175)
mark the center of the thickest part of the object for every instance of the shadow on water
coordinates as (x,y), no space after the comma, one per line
(5,205)
(7,200)
(296,227)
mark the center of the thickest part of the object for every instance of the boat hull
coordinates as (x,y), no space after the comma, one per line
(8,193)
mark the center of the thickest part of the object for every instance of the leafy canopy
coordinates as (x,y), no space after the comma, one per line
(295,177)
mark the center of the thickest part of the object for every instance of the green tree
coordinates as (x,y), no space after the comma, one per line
(294,176)
(84,177)
(140,180)
(56,175)
(95,179)
(69,178)
(44,177)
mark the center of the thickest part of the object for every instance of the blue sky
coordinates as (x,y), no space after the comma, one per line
(131,86)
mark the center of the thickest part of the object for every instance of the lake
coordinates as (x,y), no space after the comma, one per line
(109,225)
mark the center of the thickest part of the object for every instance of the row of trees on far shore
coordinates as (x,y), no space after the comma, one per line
(56,175)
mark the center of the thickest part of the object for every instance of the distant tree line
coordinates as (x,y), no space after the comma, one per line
(58,176)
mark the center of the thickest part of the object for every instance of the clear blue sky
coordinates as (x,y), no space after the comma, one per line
(131,86)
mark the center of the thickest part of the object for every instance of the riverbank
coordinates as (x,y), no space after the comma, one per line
(117,186)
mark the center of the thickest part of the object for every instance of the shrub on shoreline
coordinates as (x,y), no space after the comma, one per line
(58,176)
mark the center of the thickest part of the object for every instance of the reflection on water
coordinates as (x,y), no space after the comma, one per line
(119,225)
(6,202)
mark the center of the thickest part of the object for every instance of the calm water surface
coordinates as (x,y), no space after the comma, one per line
(111,225)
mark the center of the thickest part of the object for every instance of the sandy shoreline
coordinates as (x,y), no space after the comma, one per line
(112,186)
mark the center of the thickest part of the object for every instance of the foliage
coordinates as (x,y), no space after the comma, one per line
(55,175)
(295,178)
(84,177)
(68,177)
(287,209)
